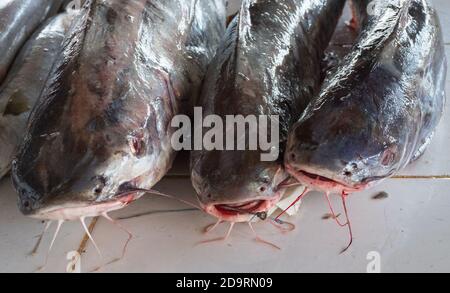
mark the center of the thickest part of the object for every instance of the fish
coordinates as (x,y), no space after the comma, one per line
(25,81)
(101,131)
(378,110)
(269,63)
(18,20)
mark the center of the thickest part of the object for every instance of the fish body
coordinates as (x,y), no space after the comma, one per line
(269,63)
(379,109)
(18,20)
(102,127)
(25,81)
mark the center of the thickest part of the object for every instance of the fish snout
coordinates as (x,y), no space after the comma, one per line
(237,192)
(240,211)
(241,207)
(28,201)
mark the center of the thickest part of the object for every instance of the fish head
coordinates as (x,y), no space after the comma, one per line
(342,146)
(236,185)
(84,156)
(70,184)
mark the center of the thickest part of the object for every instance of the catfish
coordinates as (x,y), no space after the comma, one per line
(269,63)
(378,110)
(101,131)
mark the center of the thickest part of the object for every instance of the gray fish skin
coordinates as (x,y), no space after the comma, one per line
(379,110)
(268,64)
(72,4)
(25,81)
(101,129)
(18,20)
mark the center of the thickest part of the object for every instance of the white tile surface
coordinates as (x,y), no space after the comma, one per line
(410,229)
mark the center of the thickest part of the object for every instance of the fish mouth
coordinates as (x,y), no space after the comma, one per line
(76,210)
(241,211)
(322,183)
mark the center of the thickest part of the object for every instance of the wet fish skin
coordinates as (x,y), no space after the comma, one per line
(25,81)
(18,20)
(268,64)
(342,42)
(379,110)
(102,126)
(72,3)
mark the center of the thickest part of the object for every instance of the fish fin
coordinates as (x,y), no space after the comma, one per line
(238,28)
(245,19)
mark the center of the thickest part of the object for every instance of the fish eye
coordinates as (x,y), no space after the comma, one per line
(101,184)
(262,189)
(292,156)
